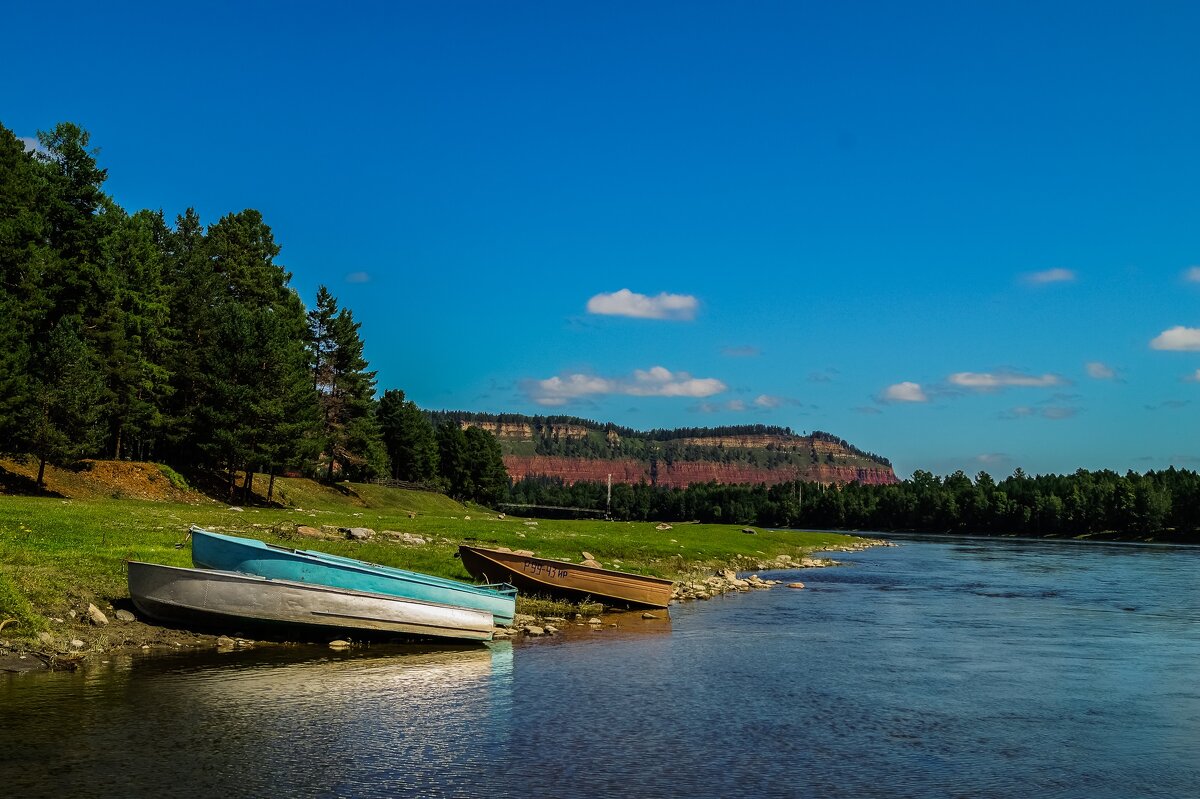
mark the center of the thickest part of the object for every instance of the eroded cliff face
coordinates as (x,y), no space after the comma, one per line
(680,474)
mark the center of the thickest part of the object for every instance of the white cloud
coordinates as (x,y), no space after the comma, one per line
(1177,338)
(992,458)
(654,382)
(1195,378)
(358,277)
(767,401)
(1050,276)
(680,307)
(1192,274)
(985,381)
(1100,371)
(905,392)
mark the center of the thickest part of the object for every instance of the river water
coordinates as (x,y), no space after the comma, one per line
(940,668)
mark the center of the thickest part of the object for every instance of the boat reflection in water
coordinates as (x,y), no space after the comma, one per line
(406,721)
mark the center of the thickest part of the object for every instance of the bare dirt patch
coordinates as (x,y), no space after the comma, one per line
(96,480)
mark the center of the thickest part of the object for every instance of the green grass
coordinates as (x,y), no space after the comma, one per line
(60,554)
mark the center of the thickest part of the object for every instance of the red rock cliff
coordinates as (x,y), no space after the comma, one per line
(680,474)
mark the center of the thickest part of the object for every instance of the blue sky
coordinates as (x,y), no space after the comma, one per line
(961,235)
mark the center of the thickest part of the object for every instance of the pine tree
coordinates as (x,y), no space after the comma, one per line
(192,290)
(131,332)
(409,438)
(23,256)
(62,422)
(345,390)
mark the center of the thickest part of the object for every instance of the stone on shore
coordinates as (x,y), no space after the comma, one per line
(408,539)
(124,615)
(96,616)
(360,533)
(533,629)
(339,644)
(588,556)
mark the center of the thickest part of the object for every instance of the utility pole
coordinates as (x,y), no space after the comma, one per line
(608,501)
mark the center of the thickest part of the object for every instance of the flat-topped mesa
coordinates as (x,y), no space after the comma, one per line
(681,474)
(576,450)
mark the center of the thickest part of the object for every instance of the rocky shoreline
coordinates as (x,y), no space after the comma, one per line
(91,633)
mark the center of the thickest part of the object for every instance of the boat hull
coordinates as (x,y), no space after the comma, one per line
(231,553)
(179,595)
(560,578)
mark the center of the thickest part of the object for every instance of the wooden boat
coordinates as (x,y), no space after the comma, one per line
(179,595)
(231,553)
(561,578)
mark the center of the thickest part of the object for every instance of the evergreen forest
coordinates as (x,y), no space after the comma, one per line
(1160,505)
(125,335)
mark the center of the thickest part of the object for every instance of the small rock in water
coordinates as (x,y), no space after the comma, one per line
(795,585)
(96,616)
(533,630)
(551,629)
(225,642)
(595,620)
(339,644)
(649,616)
(124,615)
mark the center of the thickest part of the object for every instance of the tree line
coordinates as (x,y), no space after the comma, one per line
(125,336)
(1158,504)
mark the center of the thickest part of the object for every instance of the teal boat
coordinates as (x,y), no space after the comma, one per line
(250,556)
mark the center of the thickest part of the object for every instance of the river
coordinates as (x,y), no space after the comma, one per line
(939,668)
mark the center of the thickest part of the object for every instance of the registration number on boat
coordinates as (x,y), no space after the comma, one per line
(544,570)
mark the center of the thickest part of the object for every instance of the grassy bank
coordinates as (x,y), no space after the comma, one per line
(57,555)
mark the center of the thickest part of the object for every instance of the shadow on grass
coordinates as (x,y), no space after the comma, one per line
(19,484)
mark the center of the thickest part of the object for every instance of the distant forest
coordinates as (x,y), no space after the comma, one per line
(1163,505)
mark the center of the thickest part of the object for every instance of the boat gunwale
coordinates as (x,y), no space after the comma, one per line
(502,590)
(598,570)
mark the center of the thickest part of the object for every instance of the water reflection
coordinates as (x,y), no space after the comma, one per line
(252,721)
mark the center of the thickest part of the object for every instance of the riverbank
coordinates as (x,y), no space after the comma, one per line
(61,557)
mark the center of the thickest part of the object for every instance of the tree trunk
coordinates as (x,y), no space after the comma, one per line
(117,446)
(271,485)
(247,485)
(41,473)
